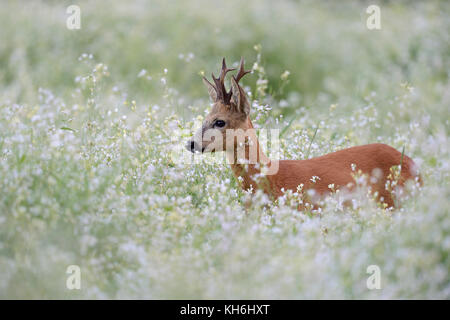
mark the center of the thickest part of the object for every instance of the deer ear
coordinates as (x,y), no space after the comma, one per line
(236,93)
(211,90)
(238,97)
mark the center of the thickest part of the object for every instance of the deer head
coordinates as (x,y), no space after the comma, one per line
(230,111)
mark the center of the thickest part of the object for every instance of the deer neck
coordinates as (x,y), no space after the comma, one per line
(246,160)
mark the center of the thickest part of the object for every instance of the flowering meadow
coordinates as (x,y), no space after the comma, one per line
(92,120)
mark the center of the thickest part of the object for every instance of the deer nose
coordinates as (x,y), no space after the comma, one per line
(192,146)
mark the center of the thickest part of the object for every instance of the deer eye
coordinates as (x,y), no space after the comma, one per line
(219,123)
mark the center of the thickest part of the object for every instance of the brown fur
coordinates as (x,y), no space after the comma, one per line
(334,168)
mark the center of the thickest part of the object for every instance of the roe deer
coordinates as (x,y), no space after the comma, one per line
(230,112)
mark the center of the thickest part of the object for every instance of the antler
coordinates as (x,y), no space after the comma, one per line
(241,72)
(219,85)
(222,93)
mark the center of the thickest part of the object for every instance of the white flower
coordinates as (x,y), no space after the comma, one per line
(142,73)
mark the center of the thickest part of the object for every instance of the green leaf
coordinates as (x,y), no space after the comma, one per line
(68,129)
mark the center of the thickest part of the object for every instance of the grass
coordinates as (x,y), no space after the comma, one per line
(92,126)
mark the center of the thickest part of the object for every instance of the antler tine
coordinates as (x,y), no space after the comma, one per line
(222,94)
(241,72)
(218,86)
(224,70)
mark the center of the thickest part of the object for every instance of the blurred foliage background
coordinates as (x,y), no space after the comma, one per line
(330,54)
